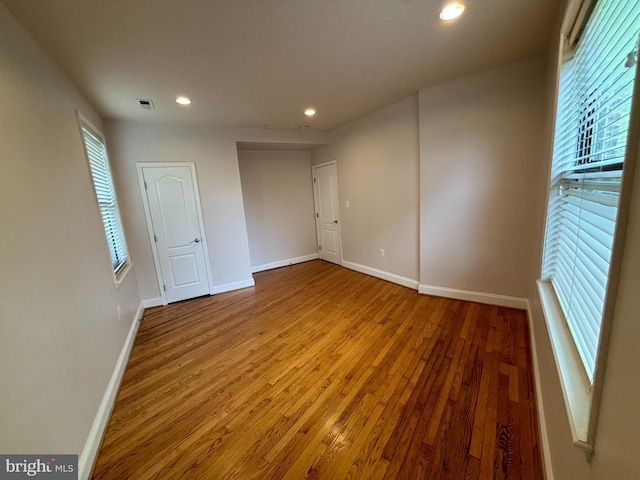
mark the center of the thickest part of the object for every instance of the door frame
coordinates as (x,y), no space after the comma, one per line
(315,204)
(147,217)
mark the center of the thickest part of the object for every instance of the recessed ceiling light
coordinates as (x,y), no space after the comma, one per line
(451,11)
(183,100)
(310,112)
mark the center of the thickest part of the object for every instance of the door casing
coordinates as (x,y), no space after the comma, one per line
(147,215)
(336,198)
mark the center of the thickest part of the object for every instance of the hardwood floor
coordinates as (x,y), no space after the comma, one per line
(322,372)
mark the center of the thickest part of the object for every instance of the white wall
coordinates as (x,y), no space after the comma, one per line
(60,335)
(377,159)
(484,156)
(480,177)
(214,152)
(277,190)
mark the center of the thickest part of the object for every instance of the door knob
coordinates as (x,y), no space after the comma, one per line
(197,240)
(335,221)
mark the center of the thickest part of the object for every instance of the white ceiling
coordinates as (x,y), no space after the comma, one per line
(252,63)
(276,147)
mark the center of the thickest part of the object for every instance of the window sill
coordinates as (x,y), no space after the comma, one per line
(576,388)
(119,277)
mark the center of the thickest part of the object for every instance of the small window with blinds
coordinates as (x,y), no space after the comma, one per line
(592,126)
(107,203)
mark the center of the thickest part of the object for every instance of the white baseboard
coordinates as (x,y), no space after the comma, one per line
(480,297)
(542,422)
(227,287)
(284,263)
(91,446)
(389,277)
(152,302)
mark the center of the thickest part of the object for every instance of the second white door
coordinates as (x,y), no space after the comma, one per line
(177,230)
(325,190)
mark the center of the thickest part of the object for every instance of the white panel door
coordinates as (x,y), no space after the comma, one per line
(325,189)
(177,231)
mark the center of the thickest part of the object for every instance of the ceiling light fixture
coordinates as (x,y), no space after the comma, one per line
(310,112)
(183,100)
(451,11)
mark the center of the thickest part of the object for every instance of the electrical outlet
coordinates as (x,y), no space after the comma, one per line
(346,204)
(119,310)
(382,252)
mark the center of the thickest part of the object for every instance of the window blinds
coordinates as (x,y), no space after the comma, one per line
(592,123)
(99,165)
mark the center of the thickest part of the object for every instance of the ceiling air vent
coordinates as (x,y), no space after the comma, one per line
(145,103)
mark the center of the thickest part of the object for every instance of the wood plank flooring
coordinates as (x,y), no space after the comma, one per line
(320,372)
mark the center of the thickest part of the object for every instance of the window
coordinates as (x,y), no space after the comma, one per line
(107,203)
(592,123)
(582,250)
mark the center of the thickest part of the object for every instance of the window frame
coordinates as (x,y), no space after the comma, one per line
(121,271)
(581,396)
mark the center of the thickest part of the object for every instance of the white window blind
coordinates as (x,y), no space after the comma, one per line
(592,121)
(101,174)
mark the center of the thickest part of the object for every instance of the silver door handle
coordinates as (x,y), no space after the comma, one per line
(335,221)
(197,240)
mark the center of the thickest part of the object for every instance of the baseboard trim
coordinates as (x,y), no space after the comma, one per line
(389,277)
(228,287)
(91,446)
(480,297)
(542,421)
(152,302)
(283,263)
